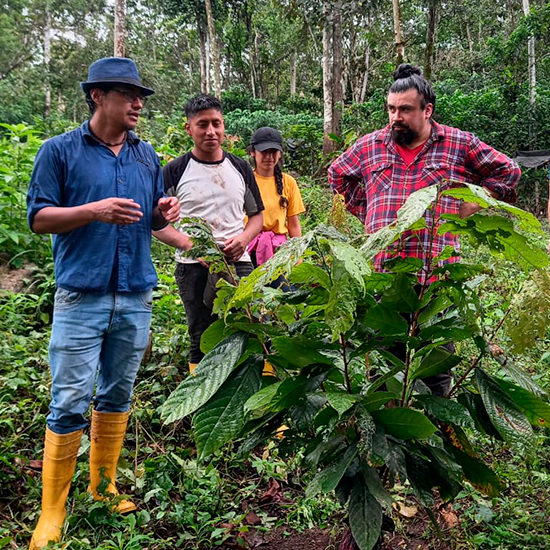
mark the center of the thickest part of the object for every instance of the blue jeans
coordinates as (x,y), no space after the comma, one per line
(95,338)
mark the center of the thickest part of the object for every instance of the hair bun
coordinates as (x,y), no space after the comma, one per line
(405,70)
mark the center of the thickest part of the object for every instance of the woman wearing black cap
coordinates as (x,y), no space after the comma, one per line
(280,195)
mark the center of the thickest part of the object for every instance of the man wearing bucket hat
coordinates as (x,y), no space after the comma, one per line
(99,190)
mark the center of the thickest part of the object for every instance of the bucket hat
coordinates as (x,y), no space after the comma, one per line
(114,70)
(267,138)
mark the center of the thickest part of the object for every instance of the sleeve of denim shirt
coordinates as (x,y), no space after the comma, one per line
(46,186)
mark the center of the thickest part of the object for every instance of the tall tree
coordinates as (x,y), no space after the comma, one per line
(120,28)
(333,93)
(328,76)
(214,48)
(399,44)
(47,59)
(532,78)
(431,35)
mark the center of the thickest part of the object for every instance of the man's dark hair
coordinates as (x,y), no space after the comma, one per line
(90,101)
(202,102)
(406,77)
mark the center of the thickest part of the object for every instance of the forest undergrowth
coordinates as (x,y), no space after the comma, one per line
(241,499)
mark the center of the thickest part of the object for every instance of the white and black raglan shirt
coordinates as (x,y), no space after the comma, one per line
(221,193)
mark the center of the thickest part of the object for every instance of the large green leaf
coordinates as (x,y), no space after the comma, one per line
(499,235)
(365,516)
(212,336)
(341,401)
(421,477)
(506,416)
(480,195)
(320,449)
(372,402)
(404,423)
(383,379)
(223,416)
(305,412)
(404,265)
(408,214)
(386,320)
(479,475)
(438,360)
(521,378)
(402,296)
(476,407)
(326,480)
(376,488)
(446,410)
(309,274)
(534,408)
(286,257)
(352,261)
(300,351)
(452,329)
(342,302)
(457,437)
(262,398)
(211,373)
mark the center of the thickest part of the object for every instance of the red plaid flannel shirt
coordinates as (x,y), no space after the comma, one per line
(375,182)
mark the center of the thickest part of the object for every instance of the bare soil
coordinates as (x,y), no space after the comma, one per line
(15,280)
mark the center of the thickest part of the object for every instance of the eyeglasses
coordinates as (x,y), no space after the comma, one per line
(131,96)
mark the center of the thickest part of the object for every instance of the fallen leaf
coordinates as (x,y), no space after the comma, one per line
(405,511)
(252,518)
(35,464)
(450,518)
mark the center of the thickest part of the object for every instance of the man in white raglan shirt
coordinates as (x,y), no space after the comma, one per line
(221,189)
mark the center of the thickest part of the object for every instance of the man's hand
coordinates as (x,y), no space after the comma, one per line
(169,207)
(234,248)
(117,211)
(468,208)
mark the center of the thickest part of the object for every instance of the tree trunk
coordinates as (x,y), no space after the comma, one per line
(207,58)
(120,28)
(293,73)
(365,74)
(337,69)
(532,80)
(532,99)
(431,34)
(214,48)
(327,79)
(202,58)
(399,45)
(469,36)
(60,102)
(47,59)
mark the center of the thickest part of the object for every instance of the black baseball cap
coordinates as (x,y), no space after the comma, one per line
(267,138)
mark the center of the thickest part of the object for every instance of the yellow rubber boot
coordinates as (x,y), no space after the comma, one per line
(192,367)
(106,437)
(60,452)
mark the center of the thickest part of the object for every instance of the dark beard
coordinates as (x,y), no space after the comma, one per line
(405,136)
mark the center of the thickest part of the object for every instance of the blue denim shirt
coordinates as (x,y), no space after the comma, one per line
(74,169)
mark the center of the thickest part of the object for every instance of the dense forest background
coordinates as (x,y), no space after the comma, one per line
(318,70)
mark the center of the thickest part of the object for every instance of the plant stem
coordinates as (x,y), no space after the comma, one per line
(345,358)
(472,366)
(414,323)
